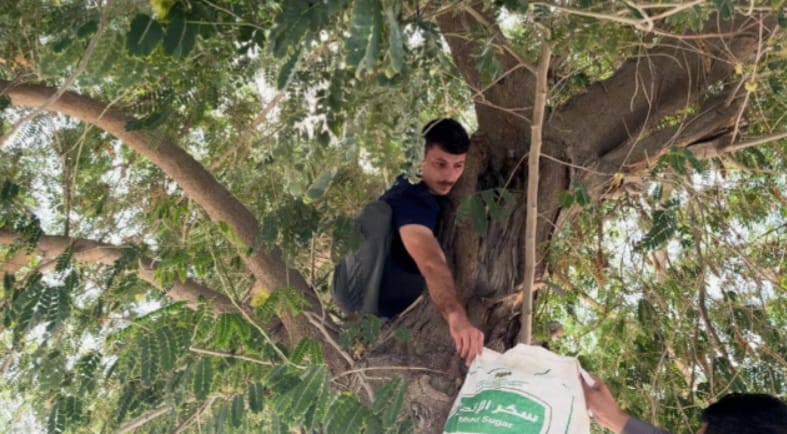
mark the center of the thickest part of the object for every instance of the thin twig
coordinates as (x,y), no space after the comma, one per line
(231,356)
(504,42)
(536,130)
(142,420)
(388,368)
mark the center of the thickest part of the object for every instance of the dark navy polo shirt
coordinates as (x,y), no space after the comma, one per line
(410,204)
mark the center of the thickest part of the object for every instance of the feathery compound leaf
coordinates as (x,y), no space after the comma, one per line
(224,330)
(237,410)
(201,378)
(306,394)
(256,397)
(64,259)
(287,70)
(86,371)
(180,36)
(57,419)
(167,346)
(315,416)
(388,401)
(281,379)
(148,359)
(665,224)
(365,35)
(307,350)
(143,36)
(395,41)
(492,205)
(347,415)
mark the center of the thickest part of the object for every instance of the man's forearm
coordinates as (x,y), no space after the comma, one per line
(440,284)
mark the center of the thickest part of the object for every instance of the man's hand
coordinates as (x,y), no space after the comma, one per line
(601,402)
(469,340)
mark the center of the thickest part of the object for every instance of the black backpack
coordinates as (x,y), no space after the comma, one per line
(357,277)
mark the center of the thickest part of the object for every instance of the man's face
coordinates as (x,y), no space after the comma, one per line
(440,170)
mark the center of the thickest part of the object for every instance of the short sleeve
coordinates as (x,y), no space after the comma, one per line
(413,207)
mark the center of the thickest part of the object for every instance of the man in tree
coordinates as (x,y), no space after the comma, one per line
(411,257)
(736,413)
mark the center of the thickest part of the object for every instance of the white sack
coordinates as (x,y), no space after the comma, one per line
(526,390)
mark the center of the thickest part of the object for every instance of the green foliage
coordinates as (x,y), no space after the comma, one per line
(365,34)
(483,206)
(366,329)
(94,346)
(665,225)
(579,196)
(143,36)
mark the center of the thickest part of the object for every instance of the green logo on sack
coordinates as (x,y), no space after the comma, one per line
(498,412)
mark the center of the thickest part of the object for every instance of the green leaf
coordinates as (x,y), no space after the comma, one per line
(220,418)
(307,350)
(346,415)
(495,210)
(256,398)
(143,36)
(581,195)
(9,191)
(62,44)
(180,37)
(312,385)
(287,70)
(565,199)
(634,11)
(395,41)
(202,378)
(5,102)
(167,347)
(64,259)
(321,184)
(665,224)
(237,410)
(725,7)
(148,359)
(86,371)
(87,29)
(782,18)
(281,380)
(388,401)
(364,41)
(224,330)
(478,215)
(57,419)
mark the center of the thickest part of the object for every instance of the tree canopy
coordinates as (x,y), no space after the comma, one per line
(178,177)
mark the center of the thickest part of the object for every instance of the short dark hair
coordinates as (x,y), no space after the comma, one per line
(446,133)
(746,413)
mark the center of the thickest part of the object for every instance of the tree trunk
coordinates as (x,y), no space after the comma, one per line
(610,128)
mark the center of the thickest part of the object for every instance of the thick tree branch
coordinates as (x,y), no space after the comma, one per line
(93,252)
(468,32)
(268,268)
(665,79)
